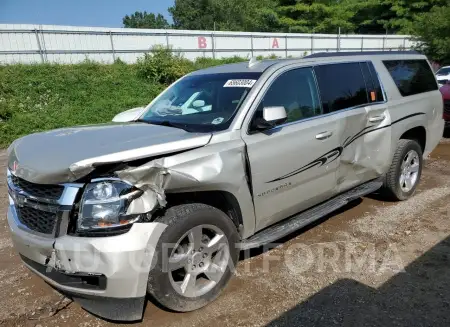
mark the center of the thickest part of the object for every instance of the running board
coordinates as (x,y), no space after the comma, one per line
(304,218)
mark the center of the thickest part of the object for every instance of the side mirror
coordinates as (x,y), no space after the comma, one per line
(198,103)
(271,117)
(274,114)
(129,115)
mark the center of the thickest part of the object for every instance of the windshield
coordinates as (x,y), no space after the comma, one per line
(443,71)
(201,103)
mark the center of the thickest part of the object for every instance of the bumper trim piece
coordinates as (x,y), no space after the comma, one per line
(113,309)
(78,280)
(131,309)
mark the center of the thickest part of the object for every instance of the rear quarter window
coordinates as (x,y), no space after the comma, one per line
(411,76)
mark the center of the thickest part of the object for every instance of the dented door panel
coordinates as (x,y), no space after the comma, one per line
(365,139)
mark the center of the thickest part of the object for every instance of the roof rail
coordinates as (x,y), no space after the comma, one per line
(360,53)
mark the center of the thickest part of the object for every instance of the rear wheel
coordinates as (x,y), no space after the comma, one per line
(406,169)
(196,255)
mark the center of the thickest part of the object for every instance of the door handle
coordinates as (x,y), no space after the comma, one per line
(377,119)
(323,135)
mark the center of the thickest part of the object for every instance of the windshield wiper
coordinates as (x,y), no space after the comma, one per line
(164,123)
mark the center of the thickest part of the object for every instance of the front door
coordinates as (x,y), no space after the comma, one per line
(293,165)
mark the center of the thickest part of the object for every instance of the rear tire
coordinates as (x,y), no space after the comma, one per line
(187,275)
(405,171)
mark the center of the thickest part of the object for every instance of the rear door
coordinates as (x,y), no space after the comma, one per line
(352,92)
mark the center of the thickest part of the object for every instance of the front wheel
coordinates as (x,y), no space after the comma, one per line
(406,169)
(196,256)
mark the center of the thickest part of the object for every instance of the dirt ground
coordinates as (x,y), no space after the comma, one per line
(373,263)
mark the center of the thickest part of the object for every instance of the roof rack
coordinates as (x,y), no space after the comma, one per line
(360,53)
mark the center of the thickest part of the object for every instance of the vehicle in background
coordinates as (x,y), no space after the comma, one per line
(445,90)
(226,159)
(443,75)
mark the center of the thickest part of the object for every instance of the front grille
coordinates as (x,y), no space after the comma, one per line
(37,220)
(447,106)
(52,192)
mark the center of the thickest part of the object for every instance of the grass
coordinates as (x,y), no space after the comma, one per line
(41,97)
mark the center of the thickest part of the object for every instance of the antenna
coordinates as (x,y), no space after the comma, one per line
(253,61)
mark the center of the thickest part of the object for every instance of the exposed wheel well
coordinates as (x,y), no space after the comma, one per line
(221,200)
(417,134)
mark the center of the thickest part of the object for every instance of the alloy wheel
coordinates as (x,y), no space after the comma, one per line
(409,171)
(199,260)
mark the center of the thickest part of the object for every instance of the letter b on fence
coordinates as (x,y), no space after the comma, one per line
(202,42)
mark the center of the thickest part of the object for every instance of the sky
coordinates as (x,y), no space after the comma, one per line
(106,13)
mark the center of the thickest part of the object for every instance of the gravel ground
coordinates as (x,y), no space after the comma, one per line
(373,263)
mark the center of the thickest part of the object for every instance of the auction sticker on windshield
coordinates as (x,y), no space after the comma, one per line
(217,121)
(240,83)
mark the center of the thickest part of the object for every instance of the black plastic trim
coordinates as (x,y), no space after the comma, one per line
(108,308)
(79,280)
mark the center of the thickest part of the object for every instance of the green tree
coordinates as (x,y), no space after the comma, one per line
(320,16)
(228,15)
(145,20)
(193,14)
(402,14)
(352,16)
(433,33)
(369,16)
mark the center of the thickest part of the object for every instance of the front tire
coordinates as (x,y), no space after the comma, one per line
(196,255)
(405,171)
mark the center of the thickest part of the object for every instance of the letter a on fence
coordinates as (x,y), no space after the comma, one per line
(275,43)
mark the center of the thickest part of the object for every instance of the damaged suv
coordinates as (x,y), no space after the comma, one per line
(226,159)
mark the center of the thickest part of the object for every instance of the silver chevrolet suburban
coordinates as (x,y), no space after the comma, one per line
(227,158)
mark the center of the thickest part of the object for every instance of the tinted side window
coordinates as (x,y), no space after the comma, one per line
(376,82)
(411,76)
(369,83)
(374,93)
(341,86)
(296,91)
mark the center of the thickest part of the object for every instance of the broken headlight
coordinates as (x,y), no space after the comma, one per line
(104,205)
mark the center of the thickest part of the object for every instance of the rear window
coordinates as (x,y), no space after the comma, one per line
(411,76)
(341,86)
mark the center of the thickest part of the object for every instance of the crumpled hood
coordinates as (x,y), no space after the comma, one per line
(67,154)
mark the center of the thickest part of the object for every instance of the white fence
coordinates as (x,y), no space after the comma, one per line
(67,44)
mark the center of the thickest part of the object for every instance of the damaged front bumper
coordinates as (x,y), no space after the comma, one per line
(106,275)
